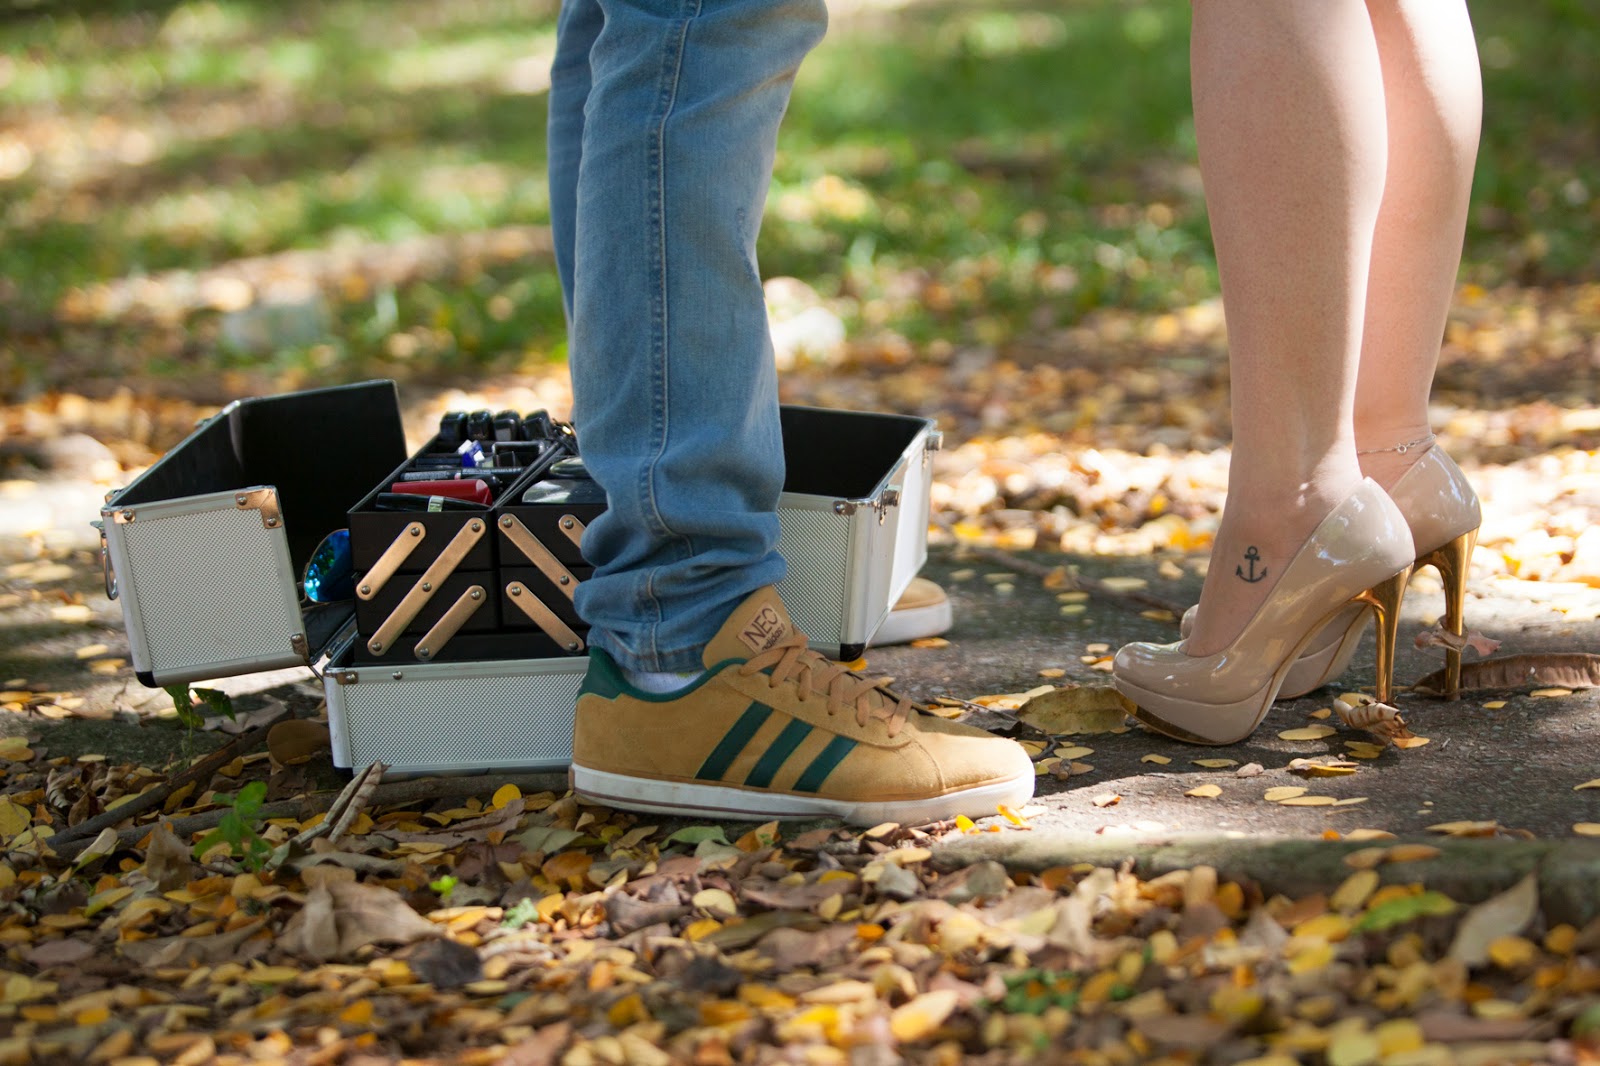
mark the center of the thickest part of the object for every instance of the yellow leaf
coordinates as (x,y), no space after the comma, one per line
(1109,799)
(92,1016)
(920,1018)
(1494,705)
(1215,764)
(13,819)
(1052,672)
(1412,852)
(1077,752)
(1314,957)
(1310,732)
(1398,1036)
(504,795)
(1587,829)
(1283,792)
(1010,815)
(765,997)
(1410,742)
(102,900)
(1587,784)
(272,975)
(1512,952)
(629,1010)
(701,929)
(1159,760)
(1465,828)
(963,823)
(1551,693)
(1330,927)
(715,901)
(1352,1048)
(357,1013)
(1349,896)
(1309,801)
(1321,713)
(1204,792)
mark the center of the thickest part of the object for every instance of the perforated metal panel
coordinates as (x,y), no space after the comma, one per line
(458,723)
(816,545)
(209,589)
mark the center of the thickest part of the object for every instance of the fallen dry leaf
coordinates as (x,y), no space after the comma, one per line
(1204,792)
(1507,914)
(1076,710)
(1439,637)
(1310,732)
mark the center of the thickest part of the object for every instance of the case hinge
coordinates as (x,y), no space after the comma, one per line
(263,500)
(298,644)
(345,677)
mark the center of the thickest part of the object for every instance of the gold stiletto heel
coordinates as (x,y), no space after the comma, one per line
(1452,561)
(1385,599)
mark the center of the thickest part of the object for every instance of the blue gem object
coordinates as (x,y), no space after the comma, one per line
(330,575)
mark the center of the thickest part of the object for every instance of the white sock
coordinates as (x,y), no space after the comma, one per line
(657,680)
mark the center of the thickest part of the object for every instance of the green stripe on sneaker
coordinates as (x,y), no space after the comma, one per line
(733,743)
(823,765)
(774,757)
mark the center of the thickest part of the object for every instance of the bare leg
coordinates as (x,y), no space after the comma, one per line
(1289,115)
(1434,98)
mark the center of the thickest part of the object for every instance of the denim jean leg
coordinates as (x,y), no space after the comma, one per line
(675,393)
(576,29)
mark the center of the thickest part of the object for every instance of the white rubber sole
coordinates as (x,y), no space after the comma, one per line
(720,802)
(914,623)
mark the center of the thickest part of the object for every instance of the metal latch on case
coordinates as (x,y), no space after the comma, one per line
(890,497)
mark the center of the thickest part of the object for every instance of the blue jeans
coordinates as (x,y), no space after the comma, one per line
(663,125)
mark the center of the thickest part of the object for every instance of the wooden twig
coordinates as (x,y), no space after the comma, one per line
(1135,601)
(394,794)
(200,771)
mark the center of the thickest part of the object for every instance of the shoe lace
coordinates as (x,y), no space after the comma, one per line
(815,675)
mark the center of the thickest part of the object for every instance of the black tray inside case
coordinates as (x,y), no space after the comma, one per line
(843,454)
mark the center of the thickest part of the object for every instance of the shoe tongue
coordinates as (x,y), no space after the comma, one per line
(757,624)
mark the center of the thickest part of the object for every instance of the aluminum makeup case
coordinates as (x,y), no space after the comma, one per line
(206,550)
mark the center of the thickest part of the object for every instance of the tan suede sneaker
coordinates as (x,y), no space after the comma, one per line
(774,730)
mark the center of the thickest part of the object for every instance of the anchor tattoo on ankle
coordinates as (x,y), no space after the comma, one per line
(1251,556)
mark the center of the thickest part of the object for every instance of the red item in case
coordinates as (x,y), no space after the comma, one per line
(474,489)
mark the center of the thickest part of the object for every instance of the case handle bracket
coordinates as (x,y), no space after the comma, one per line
(543,617)
(395,554)
(465,607)
(538,554)
(420,593)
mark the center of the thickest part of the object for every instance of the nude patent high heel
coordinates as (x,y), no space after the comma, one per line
(1360,554)
(1443,514)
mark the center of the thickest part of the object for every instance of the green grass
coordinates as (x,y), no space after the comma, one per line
(948,171)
